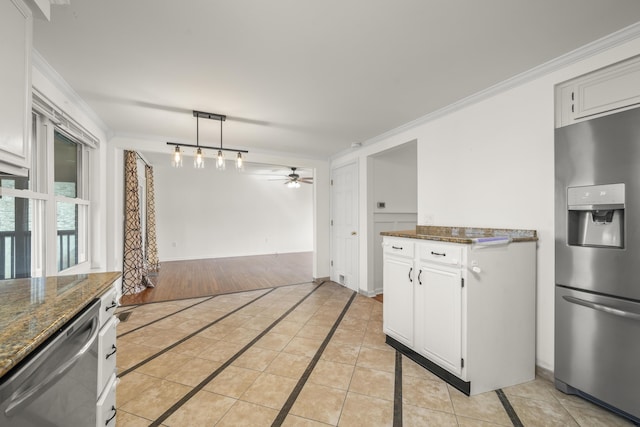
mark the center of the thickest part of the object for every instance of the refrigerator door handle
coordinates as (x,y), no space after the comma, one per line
(601,307)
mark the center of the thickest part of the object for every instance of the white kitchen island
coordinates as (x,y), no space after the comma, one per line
(461,302)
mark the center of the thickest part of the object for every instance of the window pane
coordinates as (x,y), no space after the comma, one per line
(15,237)
(66,155)
(12,181)
(67,242)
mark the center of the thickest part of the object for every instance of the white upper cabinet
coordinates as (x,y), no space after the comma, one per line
(16,26)
(605,91)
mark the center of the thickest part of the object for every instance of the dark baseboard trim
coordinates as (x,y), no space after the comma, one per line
(447,376)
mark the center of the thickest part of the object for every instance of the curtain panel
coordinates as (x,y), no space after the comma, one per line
(153,264)
(133,271)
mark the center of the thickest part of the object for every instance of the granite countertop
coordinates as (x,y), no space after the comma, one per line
(31,310)
(465,235)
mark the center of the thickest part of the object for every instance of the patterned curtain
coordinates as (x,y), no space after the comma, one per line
(153,264)
(133,271)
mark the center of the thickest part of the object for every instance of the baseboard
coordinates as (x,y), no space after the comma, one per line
(545,374)
(321,280)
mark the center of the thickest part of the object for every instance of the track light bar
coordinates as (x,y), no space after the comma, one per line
(212,116)
(180,144)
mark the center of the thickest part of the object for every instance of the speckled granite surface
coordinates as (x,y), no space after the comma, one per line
(466,235)
(31,310)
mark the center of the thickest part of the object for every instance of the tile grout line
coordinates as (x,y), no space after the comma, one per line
(284,411)
(208,298)
(507,407)
(226,364)
(397,392)
(191,335)
(164,317)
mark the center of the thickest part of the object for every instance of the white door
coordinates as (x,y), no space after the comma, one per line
(398,299)
(344,225)
(439,316)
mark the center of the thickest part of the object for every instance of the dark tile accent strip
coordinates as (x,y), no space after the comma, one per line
(123,316)
(397,393)
(175,344)
(163,317)
(226,364)
(447,376)
(507,407)
(284,411)
(192,305)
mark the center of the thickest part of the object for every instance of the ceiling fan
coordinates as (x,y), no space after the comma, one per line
(293,180)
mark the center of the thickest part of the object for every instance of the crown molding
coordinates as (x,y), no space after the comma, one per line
(61,84)
(607,42)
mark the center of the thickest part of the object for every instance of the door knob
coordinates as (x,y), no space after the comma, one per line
(353,233)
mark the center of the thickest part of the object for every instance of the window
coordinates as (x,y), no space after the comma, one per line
(44,218)
(15,232)
(71,202)
(16,222)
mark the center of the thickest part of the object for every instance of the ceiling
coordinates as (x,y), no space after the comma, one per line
(297,76)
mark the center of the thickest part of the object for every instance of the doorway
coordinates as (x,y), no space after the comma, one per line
(392,183)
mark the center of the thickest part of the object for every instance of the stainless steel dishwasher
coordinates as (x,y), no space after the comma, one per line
(57,384)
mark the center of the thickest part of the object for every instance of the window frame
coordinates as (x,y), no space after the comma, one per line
(41,194)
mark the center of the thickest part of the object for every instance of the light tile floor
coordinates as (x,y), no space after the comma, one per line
(236,359)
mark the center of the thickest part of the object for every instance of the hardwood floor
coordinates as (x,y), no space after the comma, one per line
(205,277)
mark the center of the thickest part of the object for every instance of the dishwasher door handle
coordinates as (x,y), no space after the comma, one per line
(604,308)
(24,397)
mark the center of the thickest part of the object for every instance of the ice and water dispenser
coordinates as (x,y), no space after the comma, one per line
(596,216)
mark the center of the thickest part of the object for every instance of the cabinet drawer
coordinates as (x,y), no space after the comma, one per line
(106,406)
(106,352)
(398,247)
(441,254)
(109,303)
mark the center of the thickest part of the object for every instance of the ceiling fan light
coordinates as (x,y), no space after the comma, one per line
(198,161)
(220,163)
(176,157)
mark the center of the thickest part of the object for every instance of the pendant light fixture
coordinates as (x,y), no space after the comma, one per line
(176,158)
(198,161)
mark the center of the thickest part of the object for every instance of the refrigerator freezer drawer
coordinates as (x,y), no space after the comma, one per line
(597,347)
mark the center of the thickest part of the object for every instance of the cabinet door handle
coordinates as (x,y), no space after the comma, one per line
(109,307)
(438,253)
(420,274)
(115,412)
(113,347)
(410,271)
(397,247)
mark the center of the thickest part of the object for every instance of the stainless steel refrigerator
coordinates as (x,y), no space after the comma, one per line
(597,243)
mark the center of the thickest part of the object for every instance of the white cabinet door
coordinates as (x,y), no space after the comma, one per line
(397,307)
(15,86)
(439,316)
(601,92)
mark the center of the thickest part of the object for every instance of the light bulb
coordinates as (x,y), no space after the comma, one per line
(198,161)
(220,160)
(176,158)
(239,161)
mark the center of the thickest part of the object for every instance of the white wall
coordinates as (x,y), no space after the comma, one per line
(211,214)
(393,179)
(490,164)
(253,238)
